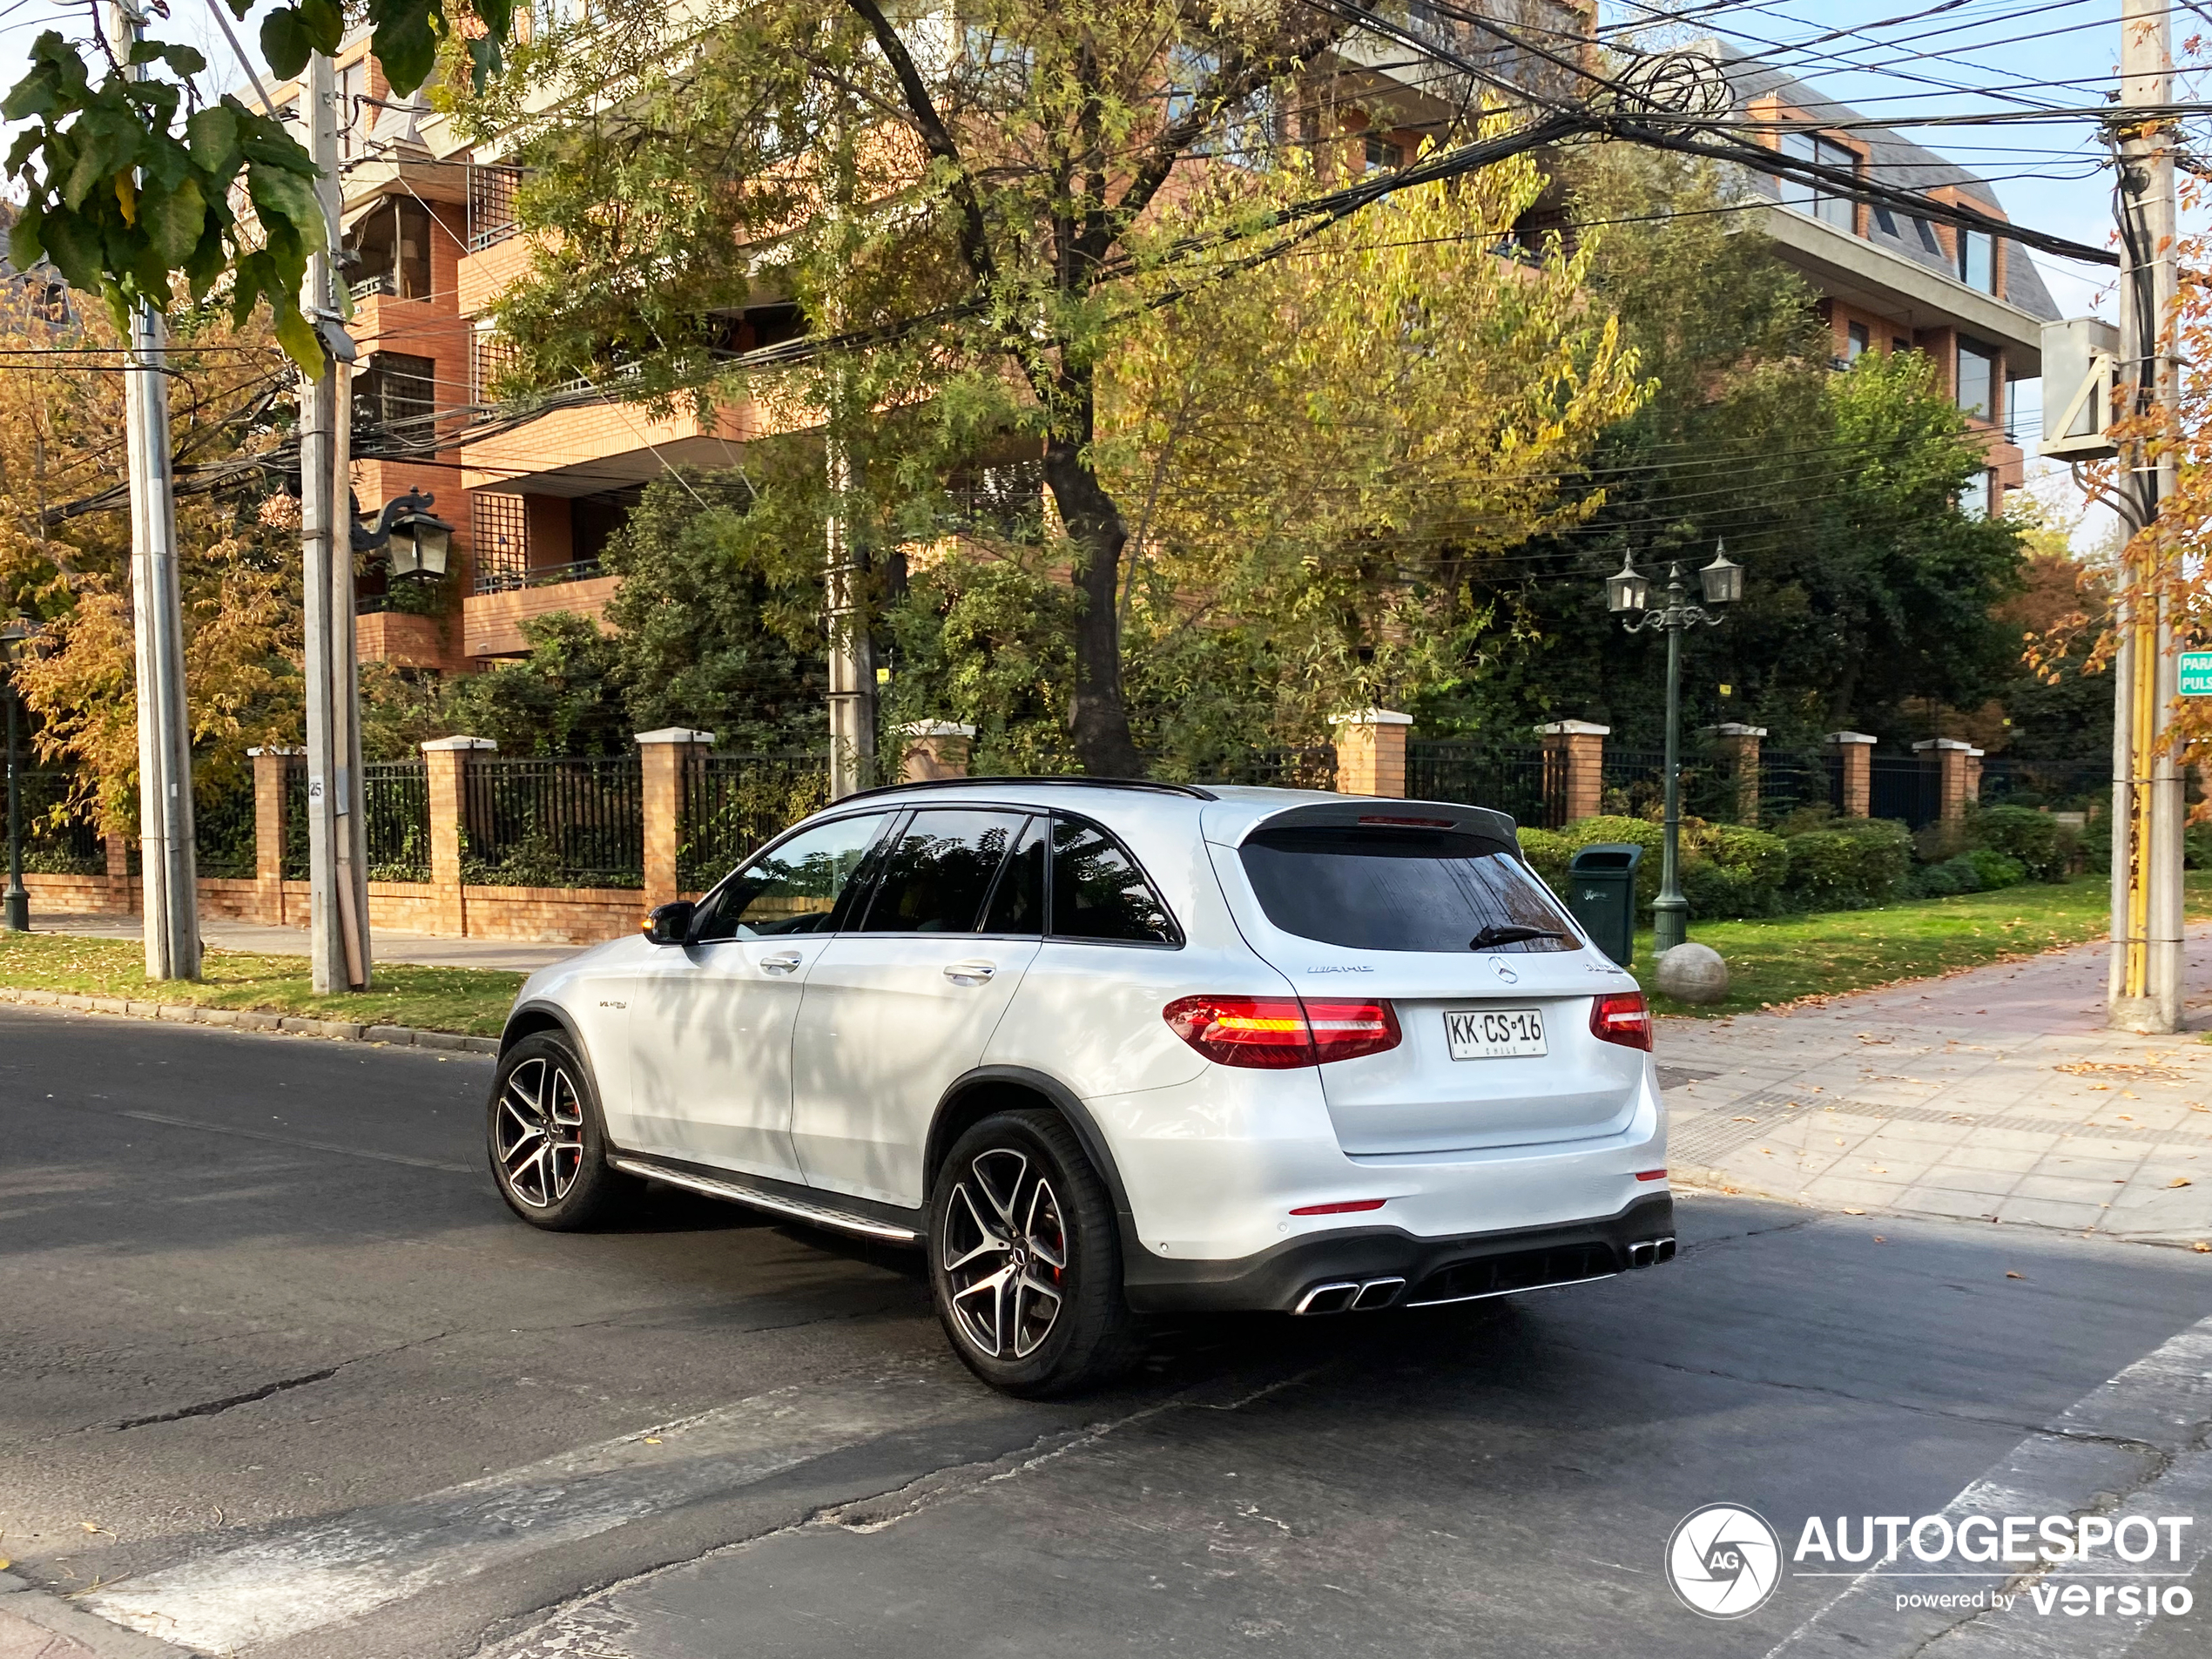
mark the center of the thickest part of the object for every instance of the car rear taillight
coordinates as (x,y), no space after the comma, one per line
(1278,1033)
(1621,1018)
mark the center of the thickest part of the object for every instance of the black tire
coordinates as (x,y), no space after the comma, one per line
(1016,1191)
(548,1142)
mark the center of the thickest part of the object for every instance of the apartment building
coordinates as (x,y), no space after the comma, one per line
(1890,280)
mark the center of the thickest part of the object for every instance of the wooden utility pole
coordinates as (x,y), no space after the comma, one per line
(168,867)
(2145,992)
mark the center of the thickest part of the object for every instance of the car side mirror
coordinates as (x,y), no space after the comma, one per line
(671,924)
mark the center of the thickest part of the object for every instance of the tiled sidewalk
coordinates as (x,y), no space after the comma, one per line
(1995,1095)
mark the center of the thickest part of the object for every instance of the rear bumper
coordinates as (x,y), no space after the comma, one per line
(1309,1274)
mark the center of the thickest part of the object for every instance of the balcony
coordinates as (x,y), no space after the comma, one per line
(492,617)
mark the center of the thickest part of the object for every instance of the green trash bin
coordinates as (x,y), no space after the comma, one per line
(1601,895)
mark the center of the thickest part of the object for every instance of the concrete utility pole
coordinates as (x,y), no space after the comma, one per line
(2145,992)
(338,940)
(168,867)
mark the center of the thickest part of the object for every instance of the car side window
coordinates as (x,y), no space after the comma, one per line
(1098,892)
(1017,903)
(794,887)
(936,875)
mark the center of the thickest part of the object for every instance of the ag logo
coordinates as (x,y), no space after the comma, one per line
(1723,1561)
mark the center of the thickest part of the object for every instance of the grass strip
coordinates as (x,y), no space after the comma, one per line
(471,1001)
(1786,958)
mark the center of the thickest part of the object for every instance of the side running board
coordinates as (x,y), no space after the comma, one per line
(820,1215)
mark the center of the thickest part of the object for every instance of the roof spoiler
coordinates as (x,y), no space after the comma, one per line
(1479,822)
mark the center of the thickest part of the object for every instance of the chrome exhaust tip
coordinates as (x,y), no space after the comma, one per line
(1378,1293)
(1649,1252)
(1332,1297)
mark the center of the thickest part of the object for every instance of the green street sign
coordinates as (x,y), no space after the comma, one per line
(2196,673)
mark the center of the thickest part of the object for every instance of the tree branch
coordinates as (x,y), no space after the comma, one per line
(974,236)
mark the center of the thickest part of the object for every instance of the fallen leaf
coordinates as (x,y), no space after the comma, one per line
(1879,1239)
(1743,1120)
(652,1439)
(2010,1274)
(1766,1151)
(2180,1181)
(2202,1248)
(1878,1169)
(1854,1212)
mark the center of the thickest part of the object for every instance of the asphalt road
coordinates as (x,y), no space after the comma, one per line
(278,1374)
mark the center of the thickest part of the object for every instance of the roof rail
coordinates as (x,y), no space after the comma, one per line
(1191,790)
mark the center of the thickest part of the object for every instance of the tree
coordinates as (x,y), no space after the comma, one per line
(1867,588)
(132,184)
(974,213)
(64,551)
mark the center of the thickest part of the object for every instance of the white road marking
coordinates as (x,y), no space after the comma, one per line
(339,1568)
(2105,1442)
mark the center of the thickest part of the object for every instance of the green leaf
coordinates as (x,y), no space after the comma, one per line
(484,61)
(298,337)
(324,23)
(281,196)
(172,221)
(74,248)
(213,134)
(24,248)
(285,42)
(406,46)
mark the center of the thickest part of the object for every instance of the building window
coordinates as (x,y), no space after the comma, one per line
(492,204)
(1974,499)
(1897,343)
(353,120)
(1857,343)
(1925,232)
(1977,259)
(396,400)
(1383,155)
(1823,203)
(488,355)
(1977,379)
(501,539)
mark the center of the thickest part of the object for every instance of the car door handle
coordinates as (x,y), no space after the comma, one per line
(969,972)
(783,964)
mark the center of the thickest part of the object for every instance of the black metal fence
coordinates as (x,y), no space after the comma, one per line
(1527,782)
(223,831)
(1787,782)
(395,807)
(1907,789)
(565,823)
(295,819)
(55,841)
(733,804)
(1310,768)
(1634,781)
(2060,786)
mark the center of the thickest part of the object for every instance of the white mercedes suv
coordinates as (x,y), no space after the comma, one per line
(1103,1049)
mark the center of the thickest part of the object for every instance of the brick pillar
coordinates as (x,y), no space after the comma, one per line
(1973,777)
(121,900)
(1582,743)
(1741,745)
(662,757)
(1951,755)
(1855,749)
(447,759)
(269,768)
(931,748)
(1371,751)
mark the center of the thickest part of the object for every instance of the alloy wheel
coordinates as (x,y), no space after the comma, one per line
(1003,1249)
(540,1133)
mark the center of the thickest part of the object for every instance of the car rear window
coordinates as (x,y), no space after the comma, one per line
(1400,889)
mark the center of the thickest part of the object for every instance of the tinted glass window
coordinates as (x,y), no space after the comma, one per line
(795,888)
(937,874)
(1401,889)
(1097,891)
(1977,381)
(1017,903)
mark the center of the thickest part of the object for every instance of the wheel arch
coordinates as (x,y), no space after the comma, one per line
(977,1093)
(536,1017)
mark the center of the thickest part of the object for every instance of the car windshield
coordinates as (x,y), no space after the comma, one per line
(1378,888)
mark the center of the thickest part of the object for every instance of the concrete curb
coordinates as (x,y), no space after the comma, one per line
(404,1036)
(75,1634)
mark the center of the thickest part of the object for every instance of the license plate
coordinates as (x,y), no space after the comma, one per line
(1494,1034)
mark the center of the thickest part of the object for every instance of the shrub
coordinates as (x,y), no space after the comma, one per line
(1994,869)
(1729,870)
(2031,838)
(1952,875)
(1638,832)
(1856,863)
(1547,852)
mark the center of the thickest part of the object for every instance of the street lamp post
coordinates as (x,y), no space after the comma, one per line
(1628,591)
(15,905)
